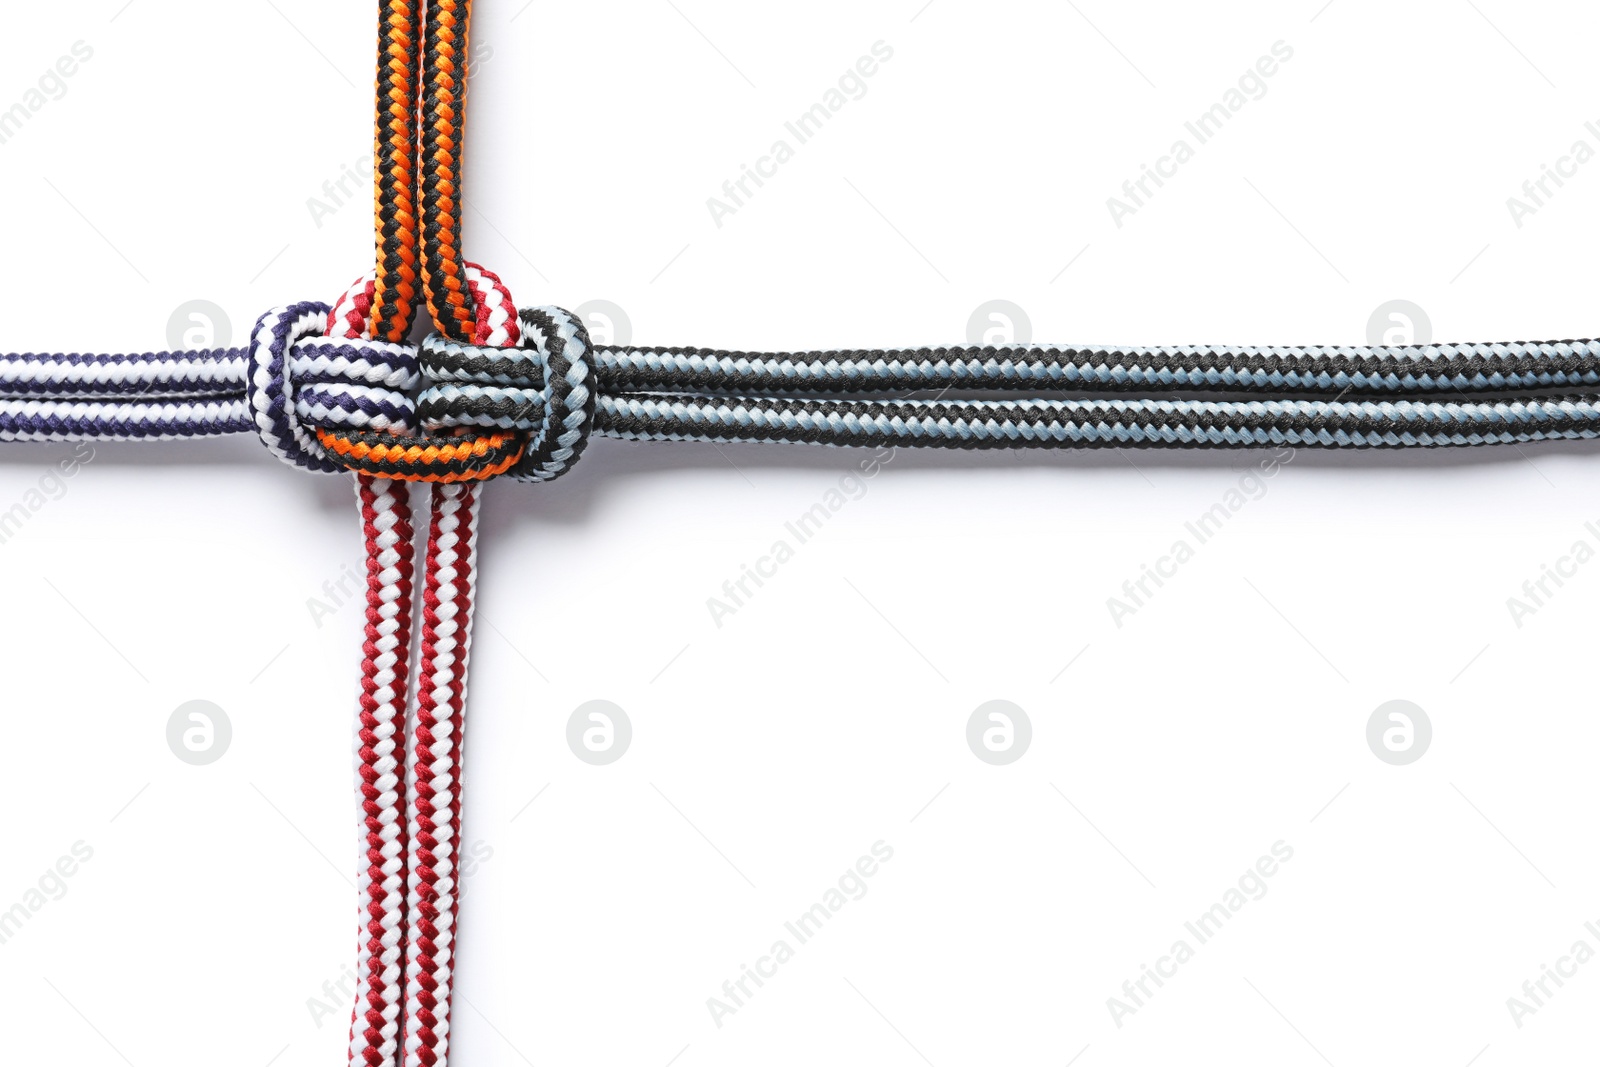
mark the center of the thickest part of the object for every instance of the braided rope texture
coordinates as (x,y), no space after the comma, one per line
(1101,423)
(434,811)
(459,458)
(151,376)
(1284,369)
(300,381)
(386,652)
(544,389)
(394,295)
(375,1025)
(1471,368)
(70,420)
(444,459)
(697,394)
(434,805)
(383,308)
(444,85)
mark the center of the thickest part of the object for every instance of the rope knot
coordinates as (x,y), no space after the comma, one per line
(299,381)
(544,388)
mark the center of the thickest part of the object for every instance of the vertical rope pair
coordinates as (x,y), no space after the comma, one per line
(384,306)
(470,304)
(409,885)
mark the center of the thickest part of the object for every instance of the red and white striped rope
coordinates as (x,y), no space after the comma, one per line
(433,808)
(380,751)
(434,805)
(390,546)
(408,881)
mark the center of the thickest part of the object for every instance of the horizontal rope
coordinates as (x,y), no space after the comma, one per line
(1198,368)
(217,372)
(1101,423)
(834,398)
(969,424)
(1334,370)
(72,420)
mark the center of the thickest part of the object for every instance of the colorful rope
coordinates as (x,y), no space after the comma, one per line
(500,392)
(334,371)
(349,397)
(394,291)
(450,294)
(1335,371)
(542,388)
(465,301)
(434,809)
(1442,368)
(380,749)
(472,304)
(434,802)
(1104,423)
(379,311)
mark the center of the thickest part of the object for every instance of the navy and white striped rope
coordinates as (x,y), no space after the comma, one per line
(559,390)
(109,420)
(165,374)
(1431,368)
(299,380)
(291,381)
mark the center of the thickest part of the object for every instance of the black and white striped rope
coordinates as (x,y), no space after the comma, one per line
(828,398)
(558,389)
(985,424)
(1445,368)
(551,370)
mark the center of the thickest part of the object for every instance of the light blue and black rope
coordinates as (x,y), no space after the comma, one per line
(557,390)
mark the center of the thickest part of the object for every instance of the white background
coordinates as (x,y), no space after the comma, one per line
(829,713)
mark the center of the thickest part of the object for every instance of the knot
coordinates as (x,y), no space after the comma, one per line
(545,389)
(458,457)
(299,382)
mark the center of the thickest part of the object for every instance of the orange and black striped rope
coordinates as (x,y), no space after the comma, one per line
(444,89)
(395,290)
(428,154)
(426,459)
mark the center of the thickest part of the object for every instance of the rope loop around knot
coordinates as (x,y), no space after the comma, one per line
(301,384)
(459,455)
(545,389)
